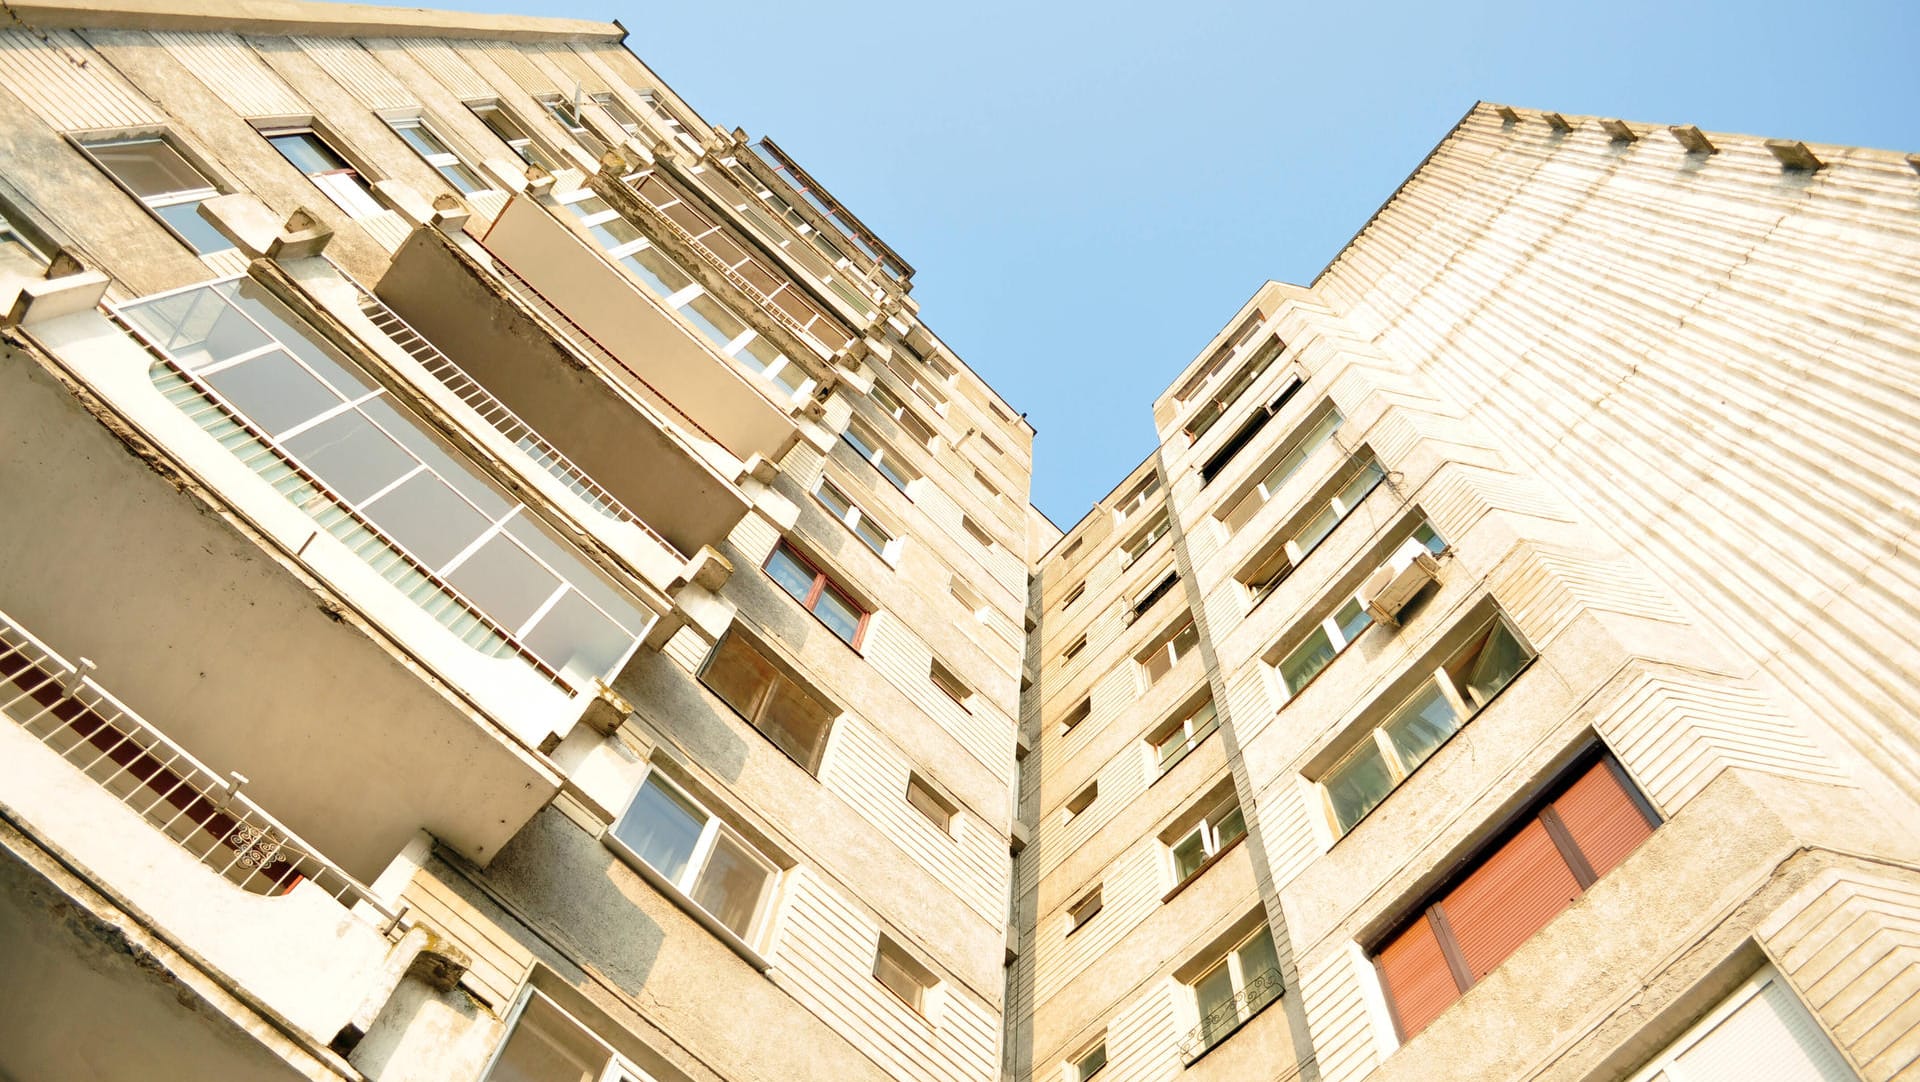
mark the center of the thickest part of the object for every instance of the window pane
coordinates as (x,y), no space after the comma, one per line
(660,275)
(838,613)
(614,232)
(740,676)
(274,392)
(1352,619)
(1258,957)
(1188,854)
(713,319)
(151,167)
(794,577)
(875,537)
(1362,484)
(501,578)
(353,457)
(1231,826)
(662,826)
(307,153)
(1184,642)
(547,1047)
(1499,660)
(1214,994)
(464,180)
(297,336)
(1316,529)
(1358,784)
(1421,725)
(731,884)
(835,501)
(796,721)
(578,639)
(1306,660)
(429,518)
(199,233)
(424,142)
(1425,534)
(904,983)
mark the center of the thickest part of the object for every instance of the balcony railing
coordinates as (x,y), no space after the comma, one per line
(205,814)
(1221,1022)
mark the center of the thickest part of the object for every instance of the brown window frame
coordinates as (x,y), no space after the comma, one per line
(821,582)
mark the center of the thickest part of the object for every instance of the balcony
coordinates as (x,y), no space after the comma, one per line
(656,356)
(519,360)
(1225,1019)
(255,613)
(203,864)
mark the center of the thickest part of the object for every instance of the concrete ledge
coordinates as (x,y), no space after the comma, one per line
(299,17)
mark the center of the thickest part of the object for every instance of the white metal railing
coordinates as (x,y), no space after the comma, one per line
(497,413)
(207,815)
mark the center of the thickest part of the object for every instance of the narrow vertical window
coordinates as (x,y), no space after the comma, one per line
(169,185)
(307,151)
(435,152)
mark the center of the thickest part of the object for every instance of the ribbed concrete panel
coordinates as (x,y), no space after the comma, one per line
(445,64)
(1336,1006)
(231,69)
(353,67)
(1141,1038)
(60,78)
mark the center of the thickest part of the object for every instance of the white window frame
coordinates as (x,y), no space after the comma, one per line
(1166,645)
(1343,503)
(89,141)
(1136,501)
(559,107)
(441,163)
(1076,1068)
(1141,544)
(1188,734)
(1211,844)
(881,457)
(618,1068)
(680,889)
(1667,1065)
(349,187)
(526,147)
(854,517)
(1285,466)
(1400,557)
(1083,909)
(1237,978)
(774,374)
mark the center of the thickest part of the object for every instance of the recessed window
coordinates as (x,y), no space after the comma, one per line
(1271,570)
(1136,501)
(1510,890)
(928,801)
(980,536)
(817,593)
(701,857)
(1073,649)
(615,108)
(567,114)
(1090,1063)
(1073,548)
(1328,639)
(1080,712)
(949,682)
(1217,402)
(916,429)
(1139,543)
(1172,742)
(309,152)
(1243,437)
(511,132)
(435,152)
(1083,910)
(786,712)
(1219,828)
(882,457)
(1081,801)
(993,490)
(162,178)
(903,975)
(1154,593)
(856,518)
(545,1035)
(1233,990)
(1173,644)
(1079,590)
(964,594)
(1296,454)
(1761,1031)
(1416,728)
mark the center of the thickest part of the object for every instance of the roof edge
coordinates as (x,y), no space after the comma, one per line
(1398,188)
(304,17)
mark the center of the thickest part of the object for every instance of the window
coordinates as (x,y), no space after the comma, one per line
(938,809)
(1090,1062)
(320,409)
(669,123)
(702,858)
(855,518)
(1317,648)
(968,600)
(676,289)
(882,457)
(817,593)
(902,975)
(1417,727)
(747,679)
(944,679)
(1289,463)
(567,115)
(992,490)
(1223,456)
(1263,576)
(172,187)
(1166,651)
(1079,590)
(1080,802)
(918,430)
(1154,593)
(1073,649)
(305,150)
(1172,742)
(20,255)
(1135,501)
(1762,1030)
(510,131)
(1233,990)
(1218,829)
(1072,548)
(1084,910)
(1584,829)
(1139,543)
(1218,402)
(435,152)
(547,1044)
(1080,712)
(980,536)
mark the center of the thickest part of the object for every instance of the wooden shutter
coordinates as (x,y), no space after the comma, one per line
(1603,818)
(1418,982)
(1511,895)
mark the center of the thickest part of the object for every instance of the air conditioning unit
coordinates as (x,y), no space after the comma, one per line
(1395,583)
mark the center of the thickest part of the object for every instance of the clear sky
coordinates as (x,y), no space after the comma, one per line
(1089,191)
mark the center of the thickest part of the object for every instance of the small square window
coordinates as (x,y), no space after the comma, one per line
(938,809)
(1082,911)
(902,975)
(1073,649)
(1073,595)
(1081,711)
(980,536)
(945,679)
(1081,801)
(1090,1063)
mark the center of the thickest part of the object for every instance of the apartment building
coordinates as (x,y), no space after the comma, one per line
(499,582)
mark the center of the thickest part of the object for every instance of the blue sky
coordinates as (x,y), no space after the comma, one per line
(1088,191)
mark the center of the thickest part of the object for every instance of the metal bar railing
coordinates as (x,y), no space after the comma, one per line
(1220,1023)
(497,413)
(58,704)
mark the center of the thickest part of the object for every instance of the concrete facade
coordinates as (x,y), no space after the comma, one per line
(499,582)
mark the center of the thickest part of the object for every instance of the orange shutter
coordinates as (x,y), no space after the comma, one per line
(1603,818)
(1512,895)
(1418,982)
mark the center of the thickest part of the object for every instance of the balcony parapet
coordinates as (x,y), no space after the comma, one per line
(1261,991)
